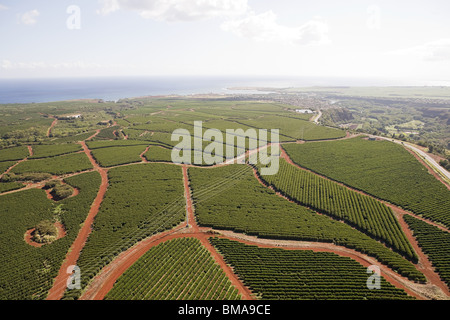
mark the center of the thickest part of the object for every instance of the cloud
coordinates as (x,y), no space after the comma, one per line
(264,27)
(177,10)
(2,7)
(438,50)
(6,64)
(29,17)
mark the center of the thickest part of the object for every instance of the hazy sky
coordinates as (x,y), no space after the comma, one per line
(323,38)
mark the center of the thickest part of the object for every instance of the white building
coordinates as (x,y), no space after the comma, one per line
(304,111)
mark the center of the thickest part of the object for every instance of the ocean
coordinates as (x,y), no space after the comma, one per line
(114,88)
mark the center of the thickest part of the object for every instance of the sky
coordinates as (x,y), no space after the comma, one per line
(323,38)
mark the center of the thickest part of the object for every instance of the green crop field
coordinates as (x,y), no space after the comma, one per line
(9,186)
(294,129)
(46,151)
(259,211)
(56,165)
(383,169)
(180,269)
(158,154)
(113,156)
(27,272)
(360,211)
(277,274)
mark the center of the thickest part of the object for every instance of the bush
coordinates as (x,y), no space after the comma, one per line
(62,191)
(52,184)
(45,232)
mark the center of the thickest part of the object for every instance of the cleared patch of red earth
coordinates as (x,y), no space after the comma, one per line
(59,285)
(28,235)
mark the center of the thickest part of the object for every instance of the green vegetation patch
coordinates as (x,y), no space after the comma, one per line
(113,156)
(158,154)
(294,129)
(360,211)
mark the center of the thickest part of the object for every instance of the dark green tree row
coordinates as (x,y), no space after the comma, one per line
(360,211)
(180,269)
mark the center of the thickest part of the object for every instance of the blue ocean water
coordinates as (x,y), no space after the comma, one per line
(114,88)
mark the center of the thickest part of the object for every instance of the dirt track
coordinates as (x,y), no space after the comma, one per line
(59,285)
(55,121)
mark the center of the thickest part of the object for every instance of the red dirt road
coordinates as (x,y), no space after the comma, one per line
(142,155)
(59,285)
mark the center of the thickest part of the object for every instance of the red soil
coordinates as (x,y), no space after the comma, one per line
(59,285)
